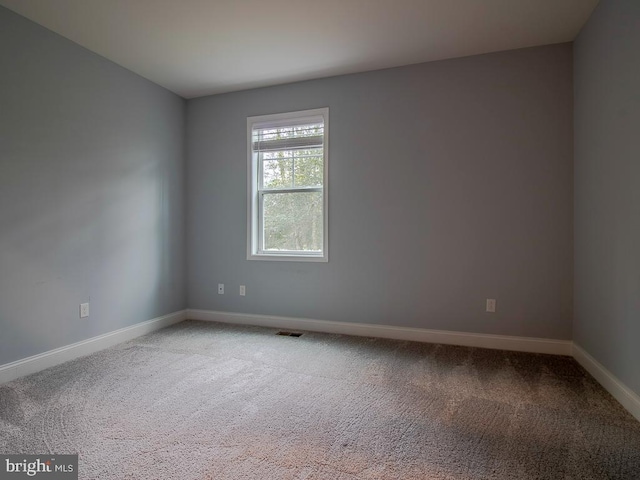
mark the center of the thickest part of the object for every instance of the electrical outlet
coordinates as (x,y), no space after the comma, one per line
(221,289)
(84,310)
(243,290)
(491,305)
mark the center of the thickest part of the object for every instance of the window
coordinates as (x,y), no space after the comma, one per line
(288,165)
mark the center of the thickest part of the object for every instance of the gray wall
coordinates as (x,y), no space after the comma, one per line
(450,182)
(91,193)
(607,188)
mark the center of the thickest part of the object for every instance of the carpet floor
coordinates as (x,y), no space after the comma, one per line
(204,400)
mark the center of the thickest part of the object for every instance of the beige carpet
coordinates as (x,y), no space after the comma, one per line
(211,401)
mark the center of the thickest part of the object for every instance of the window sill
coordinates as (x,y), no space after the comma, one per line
(288,257)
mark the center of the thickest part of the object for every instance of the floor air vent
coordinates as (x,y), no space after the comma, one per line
(288,334)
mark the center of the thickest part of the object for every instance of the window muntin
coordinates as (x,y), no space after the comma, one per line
(288,186)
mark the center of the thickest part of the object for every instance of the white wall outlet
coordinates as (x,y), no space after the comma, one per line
(84,310)
(243,290)
(491,305)
(221,289)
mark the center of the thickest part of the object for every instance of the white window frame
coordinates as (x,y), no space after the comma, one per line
(254,228)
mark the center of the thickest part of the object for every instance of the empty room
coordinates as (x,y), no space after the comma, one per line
(320,239)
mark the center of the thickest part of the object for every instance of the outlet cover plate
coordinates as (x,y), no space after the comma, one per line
(491,305)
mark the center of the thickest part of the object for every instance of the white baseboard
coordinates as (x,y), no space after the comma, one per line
(26,366)
(500,342)
(629,399)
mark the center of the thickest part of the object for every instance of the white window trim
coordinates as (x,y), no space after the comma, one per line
(253,228)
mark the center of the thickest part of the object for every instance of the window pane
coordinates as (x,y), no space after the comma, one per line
(277,169)
(308,168)
(293,221)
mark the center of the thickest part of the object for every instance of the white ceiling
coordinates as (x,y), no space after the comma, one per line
(200,47)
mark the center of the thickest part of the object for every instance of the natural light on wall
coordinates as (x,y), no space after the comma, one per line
(287,185)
